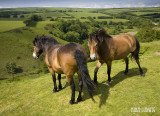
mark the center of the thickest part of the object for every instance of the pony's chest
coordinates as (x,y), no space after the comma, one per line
(52,62)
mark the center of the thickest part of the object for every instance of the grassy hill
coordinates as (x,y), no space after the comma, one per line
(16,45)
(31,92)
(9,25)
(16,39)
(33,96)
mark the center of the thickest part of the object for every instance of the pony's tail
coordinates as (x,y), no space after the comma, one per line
(82,67)
(135,53)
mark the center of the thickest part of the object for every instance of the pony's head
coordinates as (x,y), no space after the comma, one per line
(95,40)
(37,47)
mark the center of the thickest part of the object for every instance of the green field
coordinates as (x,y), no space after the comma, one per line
(31,91)
(9,25)
(33,96)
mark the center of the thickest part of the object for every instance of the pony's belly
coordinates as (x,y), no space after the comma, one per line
(121,56)
(59,70)
(56,67)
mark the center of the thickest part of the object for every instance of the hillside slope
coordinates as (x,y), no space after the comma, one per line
(33,96)
(16,46)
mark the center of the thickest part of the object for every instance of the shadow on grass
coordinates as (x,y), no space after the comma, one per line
(5,78)
(103,90)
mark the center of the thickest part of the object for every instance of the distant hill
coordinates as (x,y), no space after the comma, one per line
(16,39)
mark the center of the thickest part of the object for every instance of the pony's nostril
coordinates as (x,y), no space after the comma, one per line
(35,56)
(93,56)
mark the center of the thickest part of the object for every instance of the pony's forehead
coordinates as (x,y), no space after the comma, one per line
(92,40)
(92,37)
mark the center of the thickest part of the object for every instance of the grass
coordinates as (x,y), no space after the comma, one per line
(33,96)
(9,25)
(18,43)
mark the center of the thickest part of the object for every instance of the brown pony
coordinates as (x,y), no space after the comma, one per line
(106,49)
(64,59)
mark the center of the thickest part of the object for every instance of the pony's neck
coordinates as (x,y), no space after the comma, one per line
(104,48)
(48,45)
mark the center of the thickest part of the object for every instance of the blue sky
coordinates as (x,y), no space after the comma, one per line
(79,3)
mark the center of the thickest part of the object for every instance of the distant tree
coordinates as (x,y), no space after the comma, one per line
(52,19)
(22,16)
(83,18)
(111,23)
(148,35)
(130,27)
(4,15)
(75,27)
(72,36)
(15,16)
(90,18)
(104,22)
(32,19)
(85,45)
(11,69)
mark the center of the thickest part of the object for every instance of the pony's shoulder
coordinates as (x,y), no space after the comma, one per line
(123,35)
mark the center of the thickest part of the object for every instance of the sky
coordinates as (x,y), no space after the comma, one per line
(79,3)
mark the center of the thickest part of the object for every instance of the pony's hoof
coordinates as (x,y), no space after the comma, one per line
(55,90)
(60,87)
(107,83)
(95,82)
(79,99)
(143,75)
(71,102)
(125,73)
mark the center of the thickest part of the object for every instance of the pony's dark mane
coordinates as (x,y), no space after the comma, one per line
(42,40)
(99,34)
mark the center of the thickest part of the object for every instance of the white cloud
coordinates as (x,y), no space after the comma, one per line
(157,5)
(97,6)
(124,5)
(139,5)
(112,6)
(86,6)
(47,6)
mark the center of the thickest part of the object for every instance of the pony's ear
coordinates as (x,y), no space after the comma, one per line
(34,41)
(99,39)
(102,32)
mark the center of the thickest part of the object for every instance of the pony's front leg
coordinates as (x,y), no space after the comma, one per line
(109,63)
(54,81)
(127,62)
(99,64)
(72,86)
(60,85)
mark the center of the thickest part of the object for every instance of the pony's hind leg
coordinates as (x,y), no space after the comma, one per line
(80,88)
(140,69)
(59,78)
(99,64)
(72,86)
(127,62)
(54,81)
(136,57)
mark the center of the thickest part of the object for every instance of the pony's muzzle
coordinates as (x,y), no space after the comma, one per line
(93,57)
(35,56)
